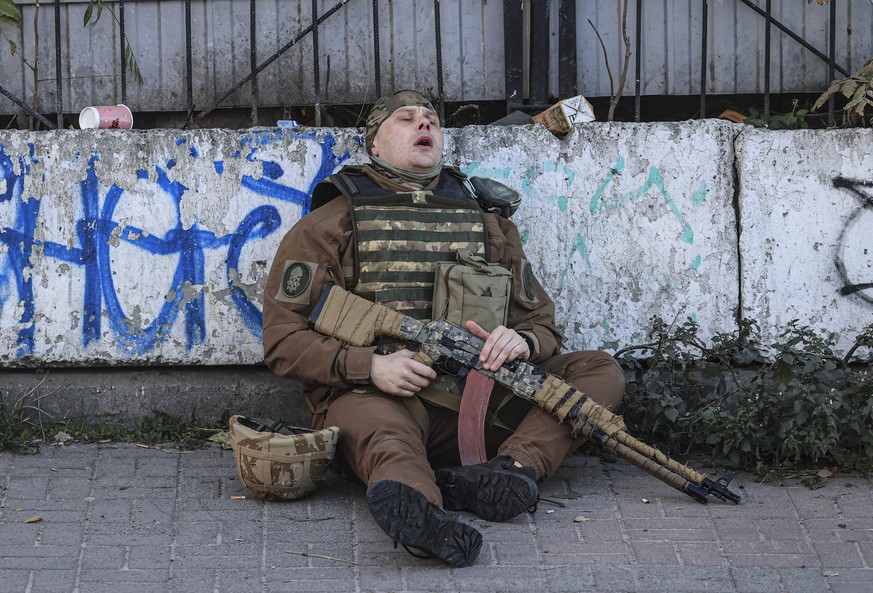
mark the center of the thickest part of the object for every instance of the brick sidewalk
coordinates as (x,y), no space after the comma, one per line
(120,518)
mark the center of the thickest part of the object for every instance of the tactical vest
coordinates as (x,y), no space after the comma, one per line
(400,238)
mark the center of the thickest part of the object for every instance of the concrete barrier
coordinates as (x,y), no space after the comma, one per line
(131,248)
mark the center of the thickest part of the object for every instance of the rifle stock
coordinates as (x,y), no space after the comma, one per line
(359,322)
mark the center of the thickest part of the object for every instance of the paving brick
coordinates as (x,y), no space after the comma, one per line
(377,579)
(15,580)
(503,579)
(569,579)
(304,580)
(53,581)
(18,534)
(660,553)
(148,557)
(38,558)
(753,580)
(700,554)
(615,579)
(103,575)
(850,581)
(662,579)
(126,587)
(222,556)
(201,579)
(762,558)
(111,557)
(803,580)
(839,554)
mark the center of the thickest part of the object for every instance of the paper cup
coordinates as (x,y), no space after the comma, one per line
(116,117)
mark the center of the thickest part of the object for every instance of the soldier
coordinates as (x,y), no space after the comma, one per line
(381,231)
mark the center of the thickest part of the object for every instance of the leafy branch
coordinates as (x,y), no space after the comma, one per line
(90,20)
(803,405)
(857,88)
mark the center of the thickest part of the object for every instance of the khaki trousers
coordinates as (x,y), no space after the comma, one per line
(380,439)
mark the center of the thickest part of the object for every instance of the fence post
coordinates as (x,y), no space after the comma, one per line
(253,59)
(513,51)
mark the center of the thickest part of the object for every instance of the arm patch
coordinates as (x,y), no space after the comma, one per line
(296,282)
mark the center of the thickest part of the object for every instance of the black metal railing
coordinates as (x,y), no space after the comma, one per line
(516,19)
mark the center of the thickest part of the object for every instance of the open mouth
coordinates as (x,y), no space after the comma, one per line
(424,141)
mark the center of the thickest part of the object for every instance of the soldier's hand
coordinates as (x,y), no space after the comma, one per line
(501,345)
(397,374)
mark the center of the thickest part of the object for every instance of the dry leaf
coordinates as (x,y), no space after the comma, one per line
(823,473)
(580,519)
(34,519)
(62,437)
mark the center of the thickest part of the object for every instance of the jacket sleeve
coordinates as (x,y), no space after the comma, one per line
(311,255)
(531,311)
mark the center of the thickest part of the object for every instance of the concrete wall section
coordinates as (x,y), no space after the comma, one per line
(807,230)
(622,222)
(119,247)
(125,248)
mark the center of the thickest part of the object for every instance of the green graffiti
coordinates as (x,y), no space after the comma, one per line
(562,203)
(480,171)
(595,200)
(553,167)
(698,197)
(524,237)
(529,175)
(695,263)
(656,180)
(582,249)
(470,169)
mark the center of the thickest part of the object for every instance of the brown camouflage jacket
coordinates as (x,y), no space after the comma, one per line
(318,250)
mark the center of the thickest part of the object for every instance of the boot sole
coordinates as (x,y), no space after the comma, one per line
(496,496)
(411,520)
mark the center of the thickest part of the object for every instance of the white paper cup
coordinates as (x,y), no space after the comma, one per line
(116,117)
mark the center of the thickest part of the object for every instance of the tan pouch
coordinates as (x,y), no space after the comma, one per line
(472,289)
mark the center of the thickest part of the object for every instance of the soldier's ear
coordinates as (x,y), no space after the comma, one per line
(374,149)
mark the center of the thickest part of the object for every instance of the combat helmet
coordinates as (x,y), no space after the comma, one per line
(280,462)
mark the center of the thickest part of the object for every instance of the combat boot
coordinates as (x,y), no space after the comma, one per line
(411,520)
(496,491)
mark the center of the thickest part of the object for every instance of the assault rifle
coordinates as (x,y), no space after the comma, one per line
(359,322)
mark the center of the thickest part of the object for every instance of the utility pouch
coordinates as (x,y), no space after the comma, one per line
(472,289)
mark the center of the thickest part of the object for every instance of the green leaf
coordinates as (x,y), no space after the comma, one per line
(89,12)
(5,20)
(848,88)
(783,373)
(10,11)
(711,371)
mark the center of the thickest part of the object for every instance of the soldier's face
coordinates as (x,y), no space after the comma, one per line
(410,139)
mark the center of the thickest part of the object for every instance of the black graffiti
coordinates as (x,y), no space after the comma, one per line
(852,286)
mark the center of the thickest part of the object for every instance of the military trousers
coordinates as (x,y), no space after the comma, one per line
(380,439)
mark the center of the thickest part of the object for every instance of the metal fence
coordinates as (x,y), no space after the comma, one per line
(540,47)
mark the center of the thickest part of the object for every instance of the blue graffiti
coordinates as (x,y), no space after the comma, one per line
(19,244)
(97,230)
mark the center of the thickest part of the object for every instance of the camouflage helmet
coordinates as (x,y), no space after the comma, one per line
(278,462)
(384,107)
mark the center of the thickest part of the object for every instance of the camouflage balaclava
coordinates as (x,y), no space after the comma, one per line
(384,107)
